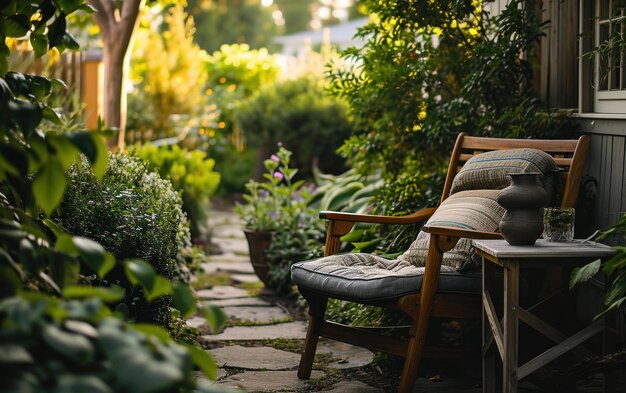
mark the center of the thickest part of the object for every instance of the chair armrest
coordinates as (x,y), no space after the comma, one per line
(460,232)
(341,223)
(418,216)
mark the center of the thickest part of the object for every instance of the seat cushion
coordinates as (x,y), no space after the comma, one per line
(366,277)
(490,170)
(472,209)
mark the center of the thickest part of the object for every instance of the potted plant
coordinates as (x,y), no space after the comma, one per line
(276,207)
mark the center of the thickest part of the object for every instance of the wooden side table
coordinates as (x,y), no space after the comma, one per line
(505,337)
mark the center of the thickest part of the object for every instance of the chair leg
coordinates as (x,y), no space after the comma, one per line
(317,308)
(437,246)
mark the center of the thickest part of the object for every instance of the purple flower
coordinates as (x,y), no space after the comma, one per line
(264,194)
(274,157)
(273,215)
(279,175)
(280,144)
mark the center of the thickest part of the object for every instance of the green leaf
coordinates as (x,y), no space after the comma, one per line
(39,43)
(162,286)
(183,299)
(10,282)
(94,255)
(69,6)
(13,353)
(68,383)
(152,330)
(584,273)
(110,294)
(49,186)
(66,151)
(140,273)
(26,114)
(15,25)
(203,360)
(51,115)
(215,317)
(65,244)
(101,157)
(4,57)
(64,271)
(56,30)
(72,346)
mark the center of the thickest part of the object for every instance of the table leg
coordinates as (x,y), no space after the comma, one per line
(511,303)
(489,348)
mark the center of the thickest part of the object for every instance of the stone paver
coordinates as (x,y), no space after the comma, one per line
(242,301)
(232,264)
(344,355)
(241,278)
(269,381)
(221,292)
(352,387)
(255,358)
(269,369)
(289,330)
(232,246)
(257,314)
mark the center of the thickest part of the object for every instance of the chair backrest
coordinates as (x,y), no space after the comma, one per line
(569,155)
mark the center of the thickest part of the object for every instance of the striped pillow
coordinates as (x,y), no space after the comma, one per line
(489,170)
(472,209)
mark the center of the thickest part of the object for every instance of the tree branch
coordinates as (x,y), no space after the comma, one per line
(104,15)
(129,17)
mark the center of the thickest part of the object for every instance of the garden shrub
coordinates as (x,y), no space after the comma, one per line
(428,71)
(47,341)
(133,213)
(53,345)
(299,114)
(191,173)
(168,70)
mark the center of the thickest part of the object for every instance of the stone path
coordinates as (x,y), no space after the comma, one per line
(259,350)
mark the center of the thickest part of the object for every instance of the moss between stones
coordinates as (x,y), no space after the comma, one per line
(204,281)
(253,288)
(236,322)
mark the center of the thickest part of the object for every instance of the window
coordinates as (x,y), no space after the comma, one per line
(610,63)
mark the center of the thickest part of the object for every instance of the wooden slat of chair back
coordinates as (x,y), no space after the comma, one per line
(569,155)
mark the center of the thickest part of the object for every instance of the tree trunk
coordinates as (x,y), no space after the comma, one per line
(118,22)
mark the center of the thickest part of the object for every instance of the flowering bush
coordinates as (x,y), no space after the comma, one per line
(279,202)
(281,205)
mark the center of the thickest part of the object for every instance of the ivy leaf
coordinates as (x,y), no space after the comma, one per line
(162,286)
(101,159)
(203,360)
(64,271)
(140,273)
(110,294)
(78,384)
(72,346)
(183,299)
(94,255)
(215,317)
(152,330)
(39,43)
(49,186)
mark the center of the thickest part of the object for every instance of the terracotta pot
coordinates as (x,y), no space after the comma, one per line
(524,201)
(258,242)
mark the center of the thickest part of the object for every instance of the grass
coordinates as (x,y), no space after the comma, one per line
(232,323)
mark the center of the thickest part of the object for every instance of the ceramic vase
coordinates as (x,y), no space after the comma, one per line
(524,201)
(258,242)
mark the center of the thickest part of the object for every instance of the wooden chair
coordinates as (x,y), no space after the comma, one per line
(420,306)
